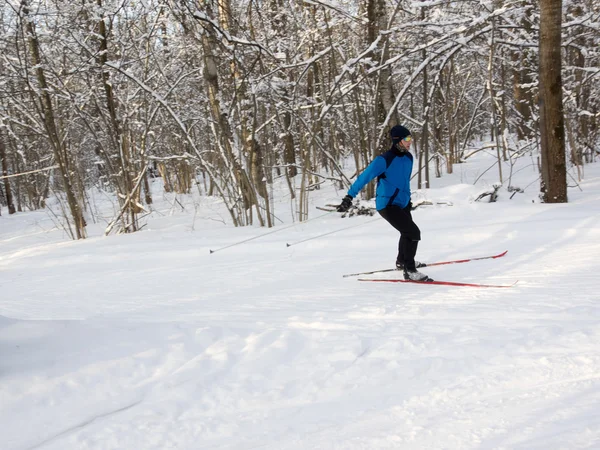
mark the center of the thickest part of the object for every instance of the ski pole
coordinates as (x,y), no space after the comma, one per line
(266,234)
(331,232)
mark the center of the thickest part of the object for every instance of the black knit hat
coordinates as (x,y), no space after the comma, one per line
(398,132)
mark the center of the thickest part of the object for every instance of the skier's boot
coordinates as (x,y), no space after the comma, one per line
(415,275)
(400,265)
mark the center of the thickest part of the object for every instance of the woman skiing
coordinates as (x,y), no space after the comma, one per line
(393,169)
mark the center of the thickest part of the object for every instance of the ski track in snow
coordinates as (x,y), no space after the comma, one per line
(148,342)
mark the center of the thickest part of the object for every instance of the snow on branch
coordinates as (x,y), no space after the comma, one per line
(177,119)
(14,175)
(336,9)
(228,37)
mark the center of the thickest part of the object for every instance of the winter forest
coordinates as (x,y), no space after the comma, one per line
(226,97)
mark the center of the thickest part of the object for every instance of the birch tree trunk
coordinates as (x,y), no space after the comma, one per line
(552,130)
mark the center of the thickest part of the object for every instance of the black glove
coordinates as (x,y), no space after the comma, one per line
(345,205)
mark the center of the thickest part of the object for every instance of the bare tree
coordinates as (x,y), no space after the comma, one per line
(44,103)
(230,96)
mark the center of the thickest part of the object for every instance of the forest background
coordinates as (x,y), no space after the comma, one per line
(226,97)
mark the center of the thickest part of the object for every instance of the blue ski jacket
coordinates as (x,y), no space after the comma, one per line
(394,169)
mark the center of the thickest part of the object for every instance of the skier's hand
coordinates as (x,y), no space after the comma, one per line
(345,205)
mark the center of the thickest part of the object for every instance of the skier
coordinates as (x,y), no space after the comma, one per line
(393,169)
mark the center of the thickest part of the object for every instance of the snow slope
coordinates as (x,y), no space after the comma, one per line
(148,341)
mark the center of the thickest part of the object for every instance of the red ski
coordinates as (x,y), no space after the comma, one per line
(459,261)
(441,283)
(441,263)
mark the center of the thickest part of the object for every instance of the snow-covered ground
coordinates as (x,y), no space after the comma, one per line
(148,341)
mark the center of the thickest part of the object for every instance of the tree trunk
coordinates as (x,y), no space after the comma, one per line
(522,92)
(121,143)
(47,111)
(424,160)
(554,171)
(385,96)
(234,174)
(4,167)
(493,106)
(576,57)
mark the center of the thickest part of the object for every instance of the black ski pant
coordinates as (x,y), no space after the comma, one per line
(410,235)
